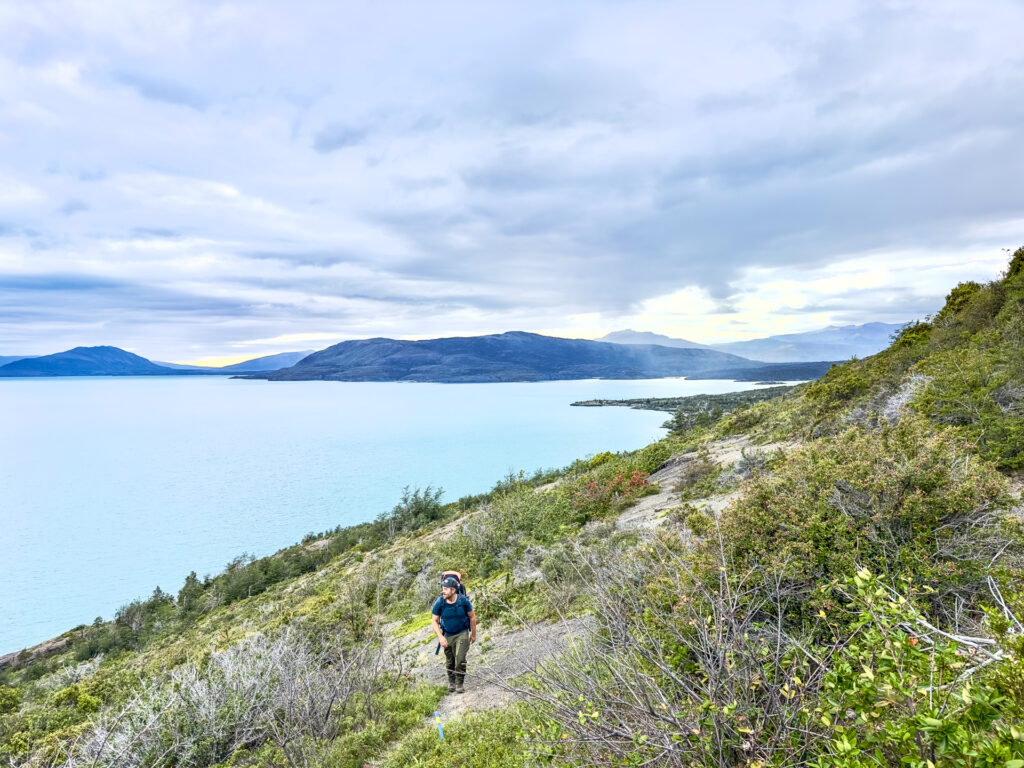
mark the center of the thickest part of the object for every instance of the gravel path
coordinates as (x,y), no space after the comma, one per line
(501,654)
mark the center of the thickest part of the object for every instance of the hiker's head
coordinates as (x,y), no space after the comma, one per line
(449,586)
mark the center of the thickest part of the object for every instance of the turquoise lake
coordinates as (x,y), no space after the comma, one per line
(112,486)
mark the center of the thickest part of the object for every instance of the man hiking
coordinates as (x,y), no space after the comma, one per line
(455,626)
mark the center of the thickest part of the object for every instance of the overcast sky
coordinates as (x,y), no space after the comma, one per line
(210,179)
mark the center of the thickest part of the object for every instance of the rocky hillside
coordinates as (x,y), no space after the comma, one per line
(828,578)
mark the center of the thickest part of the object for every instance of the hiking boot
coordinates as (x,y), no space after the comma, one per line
(459,688)
(451,682)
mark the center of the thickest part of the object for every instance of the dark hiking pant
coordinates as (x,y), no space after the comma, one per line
(455,656)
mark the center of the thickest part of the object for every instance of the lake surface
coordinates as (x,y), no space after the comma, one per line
(112,486)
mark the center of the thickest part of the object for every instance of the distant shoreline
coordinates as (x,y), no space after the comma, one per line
(693,403)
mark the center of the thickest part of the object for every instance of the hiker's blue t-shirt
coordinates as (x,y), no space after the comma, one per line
(454,616)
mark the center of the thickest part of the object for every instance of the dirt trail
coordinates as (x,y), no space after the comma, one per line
(501,654)
(649,511)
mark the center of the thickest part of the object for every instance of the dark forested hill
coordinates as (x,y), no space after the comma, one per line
(513,356)
(85,361)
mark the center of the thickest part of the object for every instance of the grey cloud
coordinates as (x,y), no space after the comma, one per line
(733,101)
(787,201)
(338,136)
(380,289)
(439,301)
(969,110)
(559,161)
(539,84)
(72,207)
(16,315)
(773,202)
(416,184)
(93,174)
(71,293)
(800,206)
(157,232)
(323,258)
(55,283)
(886,305)
(426,123)
(161,89)
(513,171)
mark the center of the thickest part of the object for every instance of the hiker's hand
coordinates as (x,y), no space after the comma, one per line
(472,638)
(444,642)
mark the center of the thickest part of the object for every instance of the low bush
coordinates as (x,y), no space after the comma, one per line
(10,699)
(684,671)
(981,394)
(480,740)
(286,689)
(698,479)
(596,496)
(905,499)
(699,522)
(902,692)
(417,509)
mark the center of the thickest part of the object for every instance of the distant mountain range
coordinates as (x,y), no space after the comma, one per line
(512,356)
(646,337)
(113,361)
(837,342)
(5,359)
(256,365)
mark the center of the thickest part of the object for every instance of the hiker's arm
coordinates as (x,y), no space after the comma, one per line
(472,626)
(436,621)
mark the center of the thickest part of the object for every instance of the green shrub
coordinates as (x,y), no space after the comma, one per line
(981,393)
(970,308)
(10,699)
(840,385)
(596,495)
(653,456)
(914,334)
(416,509)
(896,696)
(396,713)
(957,299)
(699,522)
(480,740)
(905,499)
(74,696)
(698,479)
(1016,266)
